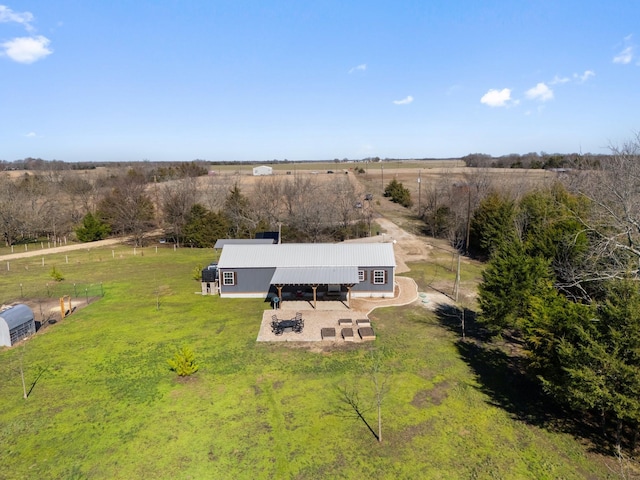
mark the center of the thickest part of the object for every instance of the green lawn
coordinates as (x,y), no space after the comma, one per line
(106,406)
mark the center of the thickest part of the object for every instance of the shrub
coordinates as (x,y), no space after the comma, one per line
(183,362)
(56,274)
(398,193)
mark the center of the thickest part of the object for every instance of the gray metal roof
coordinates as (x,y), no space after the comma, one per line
(311,275)
(307,255)
(221,242)
(17,315)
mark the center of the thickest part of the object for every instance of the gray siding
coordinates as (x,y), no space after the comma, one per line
(257,280)
(368,286)
(248,280)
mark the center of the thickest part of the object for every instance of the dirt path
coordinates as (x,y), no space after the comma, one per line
(65,248)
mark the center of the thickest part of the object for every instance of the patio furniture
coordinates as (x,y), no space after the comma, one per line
(366,334)
(299,323)
(287,325)
(344,322)
(347,334)
(328,333)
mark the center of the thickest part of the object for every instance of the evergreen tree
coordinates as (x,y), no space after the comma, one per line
(398,193)
(492,224)
(203,227)
(600,358)
(509,283)
(92,229)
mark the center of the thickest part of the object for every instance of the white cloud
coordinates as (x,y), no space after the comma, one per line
(627,53)
(26,49)
(31,134)
(497,98)
(540,92)
(625,56)
(559,80)
(585,76)
(7,15)
(404,101)
(362,67)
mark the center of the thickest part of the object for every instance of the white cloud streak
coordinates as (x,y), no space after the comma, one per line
(7,16)
(559,80)
(405,101)
(359,68)
(497,98)
(585,76)
(26,49)
(540,92)
(627,54)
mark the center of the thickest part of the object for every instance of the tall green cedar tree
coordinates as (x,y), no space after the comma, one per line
(92,229)
(492,224)
(600,358)
(509,283)
(204,227)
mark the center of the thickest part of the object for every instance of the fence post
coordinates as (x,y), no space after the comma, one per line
(8,266)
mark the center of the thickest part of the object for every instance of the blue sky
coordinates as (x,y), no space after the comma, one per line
(308,80)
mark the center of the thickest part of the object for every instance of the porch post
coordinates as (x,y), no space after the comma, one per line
(279,287)
(349,287)
(314,287)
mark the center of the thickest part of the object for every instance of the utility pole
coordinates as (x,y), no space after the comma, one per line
(382,176)
(419,188)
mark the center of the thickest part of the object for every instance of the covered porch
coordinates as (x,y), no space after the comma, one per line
(310,284)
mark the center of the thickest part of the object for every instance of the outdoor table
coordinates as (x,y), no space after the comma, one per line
(287,325)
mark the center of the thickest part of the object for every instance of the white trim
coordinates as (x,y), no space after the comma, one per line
(225,279)
(376,277)
(243,295)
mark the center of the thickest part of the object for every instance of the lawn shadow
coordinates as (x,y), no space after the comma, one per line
(351,397)
(502,375)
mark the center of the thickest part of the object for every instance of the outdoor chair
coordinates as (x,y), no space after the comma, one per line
(275,327)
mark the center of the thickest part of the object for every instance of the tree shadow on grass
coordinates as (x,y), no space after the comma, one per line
(503,377)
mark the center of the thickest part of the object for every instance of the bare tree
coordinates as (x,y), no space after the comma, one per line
(128,208)
(178,196)
(613,222)
(267,197)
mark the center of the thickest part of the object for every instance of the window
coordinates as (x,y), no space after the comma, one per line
(361,276)
(228,278)
(379,277)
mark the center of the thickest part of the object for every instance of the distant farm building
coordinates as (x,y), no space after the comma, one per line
(16,323)
(262,170)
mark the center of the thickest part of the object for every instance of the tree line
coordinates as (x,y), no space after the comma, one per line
(562,279)
(179,203)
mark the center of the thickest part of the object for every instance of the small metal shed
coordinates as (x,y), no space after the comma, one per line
(262,170)
(16,323)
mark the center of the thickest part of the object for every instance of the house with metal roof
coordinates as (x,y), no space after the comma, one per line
(16,323)
(314,271)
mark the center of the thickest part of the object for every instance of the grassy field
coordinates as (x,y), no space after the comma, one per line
(104,405)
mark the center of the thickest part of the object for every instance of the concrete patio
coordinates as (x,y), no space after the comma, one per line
(328,313)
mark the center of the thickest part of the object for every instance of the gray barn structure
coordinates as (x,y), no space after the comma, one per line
(313,271)
(16,323)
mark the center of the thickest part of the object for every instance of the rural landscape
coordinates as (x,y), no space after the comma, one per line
(517,357)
